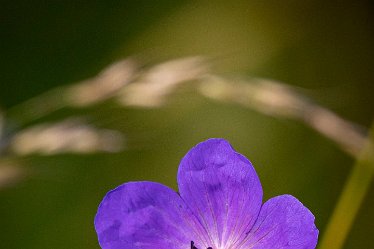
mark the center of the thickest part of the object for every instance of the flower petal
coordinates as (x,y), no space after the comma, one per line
(222,189)
(144,215)
(283,223)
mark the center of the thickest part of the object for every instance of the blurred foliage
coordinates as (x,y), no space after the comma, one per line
(325,48)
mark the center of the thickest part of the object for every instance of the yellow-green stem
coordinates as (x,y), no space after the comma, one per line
(351,199)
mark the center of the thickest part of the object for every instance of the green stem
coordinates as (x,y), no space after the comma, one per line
(351,199)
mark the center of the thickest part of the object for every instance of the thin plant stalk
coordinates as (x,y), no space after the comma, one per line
(351,199)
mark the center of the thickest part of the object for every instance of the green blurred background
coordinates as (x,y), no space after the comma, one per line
(323,47)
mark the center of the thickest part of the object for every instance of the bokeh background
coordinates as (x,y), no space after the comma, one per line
(323,48)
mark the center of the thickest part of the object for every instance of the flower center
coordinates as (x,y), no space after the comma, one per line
(194,247)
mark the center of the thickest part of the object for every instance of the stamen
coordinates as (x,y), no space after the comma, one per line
(194,247)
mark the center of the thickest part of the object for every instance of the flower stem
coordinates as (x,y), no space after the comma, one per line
(351,198)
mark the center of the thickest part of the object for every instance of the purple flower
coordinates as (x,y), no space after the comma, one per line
(219,206)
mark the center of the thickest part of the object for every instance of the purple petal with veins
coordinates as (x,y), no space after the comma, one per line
(219,206)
